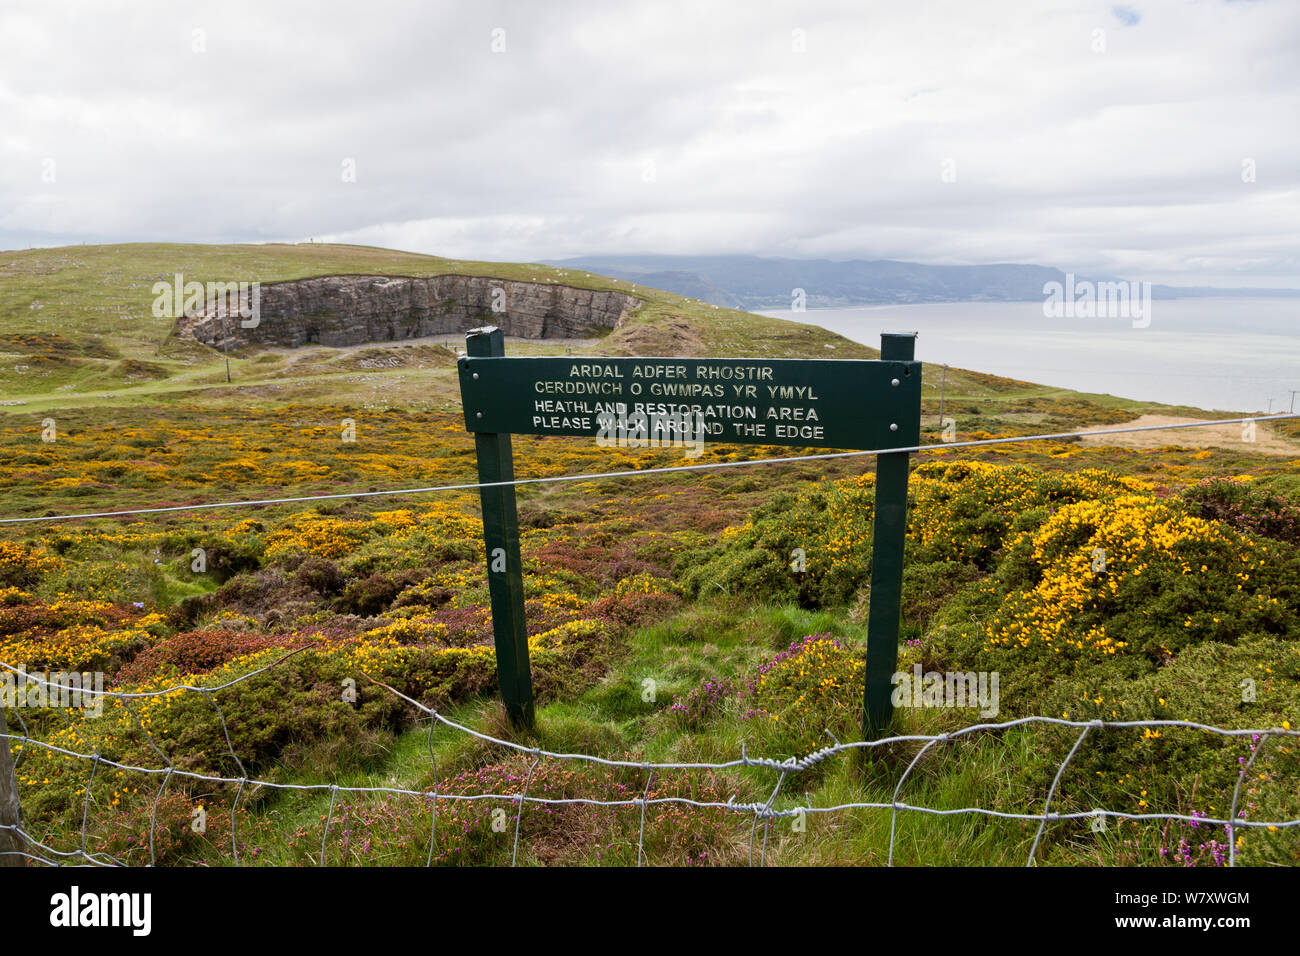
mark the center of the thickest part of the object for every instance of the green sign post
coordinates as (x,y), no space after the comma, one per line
(817,403)
(501,537)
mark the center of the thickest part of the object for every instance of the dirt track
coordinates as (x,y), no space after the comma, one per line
(1206,436)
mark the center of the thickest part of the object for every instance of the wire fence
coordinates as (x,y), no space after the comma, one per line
(762,813)
(941,446)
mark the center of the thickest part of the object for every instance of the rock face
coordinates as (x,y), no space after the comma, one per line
(351,310)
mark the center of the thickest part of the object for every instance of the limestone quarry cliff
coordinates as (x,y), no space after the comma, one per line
(351,310)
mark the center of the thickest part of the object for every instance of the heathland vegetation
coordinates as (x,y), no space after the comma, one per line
(666,621)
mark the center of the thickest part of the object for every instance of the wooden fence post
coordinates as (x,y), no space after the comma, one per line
(12,845)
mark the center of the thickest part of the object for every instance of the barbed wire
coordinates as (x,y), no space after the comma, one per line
(639,472)
(762,812)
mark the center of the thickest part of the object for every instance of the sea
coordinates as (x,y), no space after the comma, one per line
(1227,354)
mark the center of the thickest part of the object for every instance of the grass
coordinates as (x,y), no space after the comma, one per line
(982,772)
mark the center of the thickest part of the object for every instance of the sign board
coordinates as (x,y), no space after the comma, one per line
(814,403)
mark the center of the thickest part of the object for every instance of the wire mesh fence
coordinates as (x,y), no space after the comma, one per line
(762,814)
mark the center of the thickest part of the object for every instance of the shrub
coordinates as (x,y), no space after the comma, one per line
(373,594)
(193,652)
(702,704)
(814,686)
(1136,576)
(319,574)
(23,567)
(959,514)
(123,825)
(1254,684)
(1246,507)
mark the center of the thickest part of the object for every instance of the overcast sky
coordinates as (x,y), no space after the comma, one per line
(1095,137)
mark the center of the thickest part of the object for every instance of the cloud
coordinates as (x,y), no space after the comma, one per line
(936,132)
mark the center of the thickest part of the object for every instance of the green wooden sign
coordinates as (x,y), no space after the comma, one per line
(813,403)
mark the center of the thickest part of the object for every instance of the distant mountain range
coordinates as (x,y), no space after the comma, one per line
(754,282)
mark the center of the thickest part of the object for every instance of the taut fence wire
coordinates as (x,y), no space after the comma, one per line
(641,472)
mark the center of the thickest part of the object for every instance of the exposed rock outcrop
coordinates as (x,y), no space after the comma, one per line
(351,310)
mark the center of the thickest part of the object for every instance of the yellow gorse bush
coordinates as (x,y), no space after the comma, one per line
(21,565)
(1090,550)
(813,686)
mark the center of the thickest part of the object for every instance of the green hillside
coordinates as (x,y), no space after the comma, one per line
(78,321)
